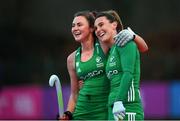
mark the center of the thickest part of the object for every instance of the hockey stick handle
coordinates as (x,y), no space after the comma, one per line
(54,79)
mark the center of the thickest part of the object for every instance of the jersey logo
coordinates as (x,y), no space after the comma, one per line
(112,61)
(92,74)
(98,59)
(99,62)
(111,73)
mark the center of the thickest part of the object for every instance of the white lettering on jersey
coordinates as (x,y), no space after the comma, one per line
(92,74)
(111,73)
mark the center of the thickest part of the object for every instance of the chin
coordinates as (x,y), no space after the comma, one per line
(78,40)
(104,40)
(101,39)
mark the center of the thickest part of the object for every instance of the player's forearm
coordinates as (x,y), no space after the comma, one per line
(71,104)
(142,46)
(125,84)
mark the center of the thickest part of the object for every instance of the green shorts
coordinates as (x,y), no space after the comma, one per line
(91,107)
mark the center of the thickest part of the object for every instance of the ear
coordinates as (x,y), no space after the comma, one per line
(114,24)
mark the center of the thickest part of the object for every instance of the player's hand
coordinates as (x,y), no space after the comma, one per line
(66,116)
(124,37)
(118,111)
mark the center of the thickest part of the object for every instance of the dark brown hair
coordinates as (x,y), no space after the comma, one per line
(112,16)
(90,17)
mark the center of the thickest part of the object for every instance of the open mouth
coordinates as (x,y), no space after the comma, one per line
(102,34)
(77,33)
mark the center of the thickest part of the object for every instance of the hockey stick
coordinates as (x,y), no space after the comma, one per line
(54,79)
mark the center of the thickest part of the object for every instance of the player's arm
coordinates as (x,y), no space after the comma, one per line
(141,44)
(128,57)
(74,82)
(127,60)
(127,35)
(74,87)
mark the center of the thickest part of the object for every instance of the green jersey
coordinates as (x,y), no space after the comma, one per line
(93,96)
(92,72)
(123,70)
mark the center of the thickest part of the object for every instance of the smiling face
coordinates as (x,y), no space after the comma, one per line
(81,29)
(104,30)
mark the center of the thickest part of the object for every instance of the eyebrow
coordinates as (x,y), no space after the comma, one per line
(76,23)
(100,23)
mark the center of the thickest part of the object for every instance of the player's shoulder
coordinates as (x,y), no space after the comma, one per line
(71,57)
(131,44)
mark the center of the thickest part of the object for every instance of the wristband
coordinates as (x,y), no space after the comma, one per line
(131,31)
(68,114)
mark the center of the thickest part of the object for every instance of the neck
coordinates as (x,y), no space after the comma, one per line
(111,41)
(87,44)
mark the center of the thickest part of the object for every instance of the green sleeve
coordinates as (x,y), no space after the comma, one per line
(128,58)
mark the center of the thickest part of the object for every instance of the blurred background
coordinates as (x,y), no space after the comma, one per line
(35,40)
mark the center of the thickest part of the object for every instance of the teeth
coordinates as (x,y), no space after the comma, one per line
(77,33)
(101,34)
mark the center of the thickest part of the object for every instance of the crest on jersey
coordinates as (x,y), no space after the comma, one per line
(99,62)
(98,59)
(112,61)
